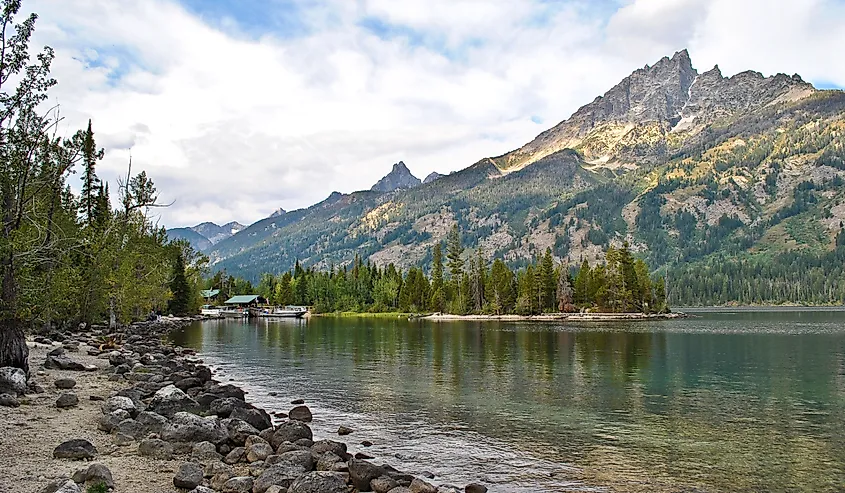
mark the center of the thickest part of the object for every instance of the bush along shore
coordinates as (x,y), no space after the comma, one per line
(166,415)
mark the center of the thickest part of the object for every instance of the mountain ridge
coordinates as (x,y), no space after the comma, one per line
(681,165)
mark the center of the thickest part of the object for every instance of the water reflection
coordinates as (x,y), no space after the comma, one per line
(727,402)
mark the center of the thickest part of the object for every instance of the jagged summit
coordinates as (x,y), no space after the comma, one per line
(432,176)
(630,122)
(400,177)
(278,212)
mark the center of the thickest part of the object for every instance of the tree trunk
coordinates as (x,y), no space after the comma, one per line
(13,349)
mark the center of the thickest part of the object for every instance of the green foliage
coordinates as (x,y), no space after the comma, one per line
(99,487)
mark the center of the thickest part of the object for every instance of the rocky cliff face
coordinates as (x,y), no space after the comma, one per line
(629,124)
(399,178)
(215,233)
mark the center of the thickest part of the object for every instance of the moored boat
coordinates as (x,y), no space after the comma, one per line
(283,312)
(210,311)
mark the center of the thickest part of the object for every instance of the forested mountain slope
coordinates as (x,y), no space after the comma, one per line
(709,178)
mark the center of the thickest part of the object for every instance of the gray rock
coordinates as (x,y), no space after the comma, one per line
(448,488)
(276,489)
(301,413)
(189,476)
(156,448)
(400,489)
(344,430)
(170,400)
(122,440)
(8,400)
(290,431)
(235,456)
(215,468)
(329,461)
(383,484)
(201,489)
(116,358)
(75,449)
(319,482)
(108,422)
(67,400)
(223,406)
(62,362)
(69,487)
(239,484)
(152,422)
(65,383)
(119,402)
(322,446)
(362,472)
(258,418)
(475,488)
(12,381)
(258,451)
(188,383)
(54,485)
(281,474)
(304,458)
(204,452)
(98,474)
(420,486)
(239,431)
(187,427)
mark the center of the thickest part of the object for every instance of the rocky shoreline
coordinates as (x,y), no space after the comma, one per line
(125,411)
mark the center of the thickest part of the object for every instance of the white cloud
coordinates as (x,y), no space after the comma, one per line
(233,126)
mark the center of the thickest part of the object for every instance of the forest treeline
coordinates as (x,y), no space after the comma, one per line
(68,258)
(465,284)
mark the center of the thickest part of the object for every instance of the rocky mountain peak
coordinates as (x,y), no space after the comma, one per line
(278,212)
(400,177)
(432,176)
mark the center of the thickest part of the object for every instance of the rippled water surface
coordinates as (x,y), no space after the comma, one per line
(727,401)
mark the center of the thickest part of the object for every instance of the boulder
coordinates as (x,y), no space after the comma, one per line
(475,488)
(66,400)
(290,431)
(69,487)
(97,474)
(258,418)
(339,448)
(108,422)
(156,448)
(303,458)
(329,461)
(227,390)
(223,406)
(188,383)
(420,486)
(119,402)
(62,362)
(75,449)
(8,400)
(116,358)
(151,422)
(205,452)
(362,472)
(170,400)
(319,482)
(187,427)
(239,431)
(238,484)
(12,381)
(344,430)
(235,455)
(189,476)
(301,413)
(258,451)
(282,474)
(383,484)
(65,383)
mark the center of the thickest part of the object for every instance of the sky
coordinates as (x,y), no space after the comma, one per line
(237,108)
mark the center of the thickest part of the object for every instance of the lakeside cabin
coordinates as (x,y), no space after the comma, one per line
(240,306)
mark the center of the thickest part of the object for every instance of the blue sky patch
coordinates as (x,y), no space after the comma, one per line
(280,18)
(536,119)
(823,84)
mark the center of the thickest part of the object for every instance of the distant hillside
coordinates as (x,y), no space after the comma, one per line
(197,241)
(700,173)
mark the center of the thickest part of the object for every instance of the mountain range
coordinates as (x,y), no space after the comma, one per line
(686,167)
(205,235)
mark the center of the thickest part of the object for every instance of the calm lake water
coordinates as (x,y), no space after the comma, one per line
(728,401)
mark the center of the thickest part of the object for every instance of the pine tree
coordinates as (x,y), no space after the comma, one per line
(454,252)
(180,302)
(91,185)
(582,285)
(549,283)
(564,291)
(438,295)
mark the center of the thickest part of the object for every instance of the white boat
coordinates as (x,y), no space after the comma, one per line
(210,310)
(283,312)
(234,313)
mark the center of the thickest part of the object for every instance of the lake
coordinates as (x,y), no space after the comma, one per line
(727,401)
